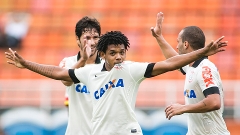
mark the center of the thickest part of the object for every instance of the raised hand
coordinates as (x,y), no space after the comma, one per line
(216,46)
(86,51)
(157,30)
(15,58)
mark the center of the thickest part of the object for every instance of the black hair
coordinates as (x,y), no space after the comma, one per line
(112,37)
(194,36)
(87,24)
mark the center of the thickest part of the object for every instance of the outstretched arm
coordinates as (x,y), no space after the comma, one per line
(179,61)
(86,52)
(49,71)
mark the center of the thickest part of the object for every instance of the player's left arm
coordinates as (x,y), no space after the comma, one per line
(207,80)
(210,103)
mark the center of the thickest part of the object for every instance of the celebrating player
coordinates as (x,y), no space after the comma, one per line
(115,82)
(203,87)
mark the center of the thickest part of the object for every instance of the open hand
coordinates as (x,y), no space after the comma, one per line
(14,58)
(86,51)
(216,46)
(157,30)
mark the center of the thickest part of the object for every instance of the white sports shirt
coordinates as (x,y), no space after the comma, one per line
(114,95)
(201,76)
(80,105)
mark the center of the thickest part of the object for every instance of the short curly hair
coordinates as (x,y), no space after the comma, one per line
(86,24)
(112,37)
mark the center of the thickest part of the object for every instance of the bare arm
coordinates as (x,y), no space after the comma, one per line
(49,71)
(80,63)
(210,103)
(175,61)
(179,61)
(166,48)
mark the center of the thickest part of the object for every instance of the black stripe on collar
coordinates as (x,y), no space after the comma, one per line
(104,68)
(197,62)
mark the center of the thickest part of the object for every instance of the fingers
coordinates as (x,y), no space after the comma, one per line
(169,112)
(10,62)
(159,18)
(219,39)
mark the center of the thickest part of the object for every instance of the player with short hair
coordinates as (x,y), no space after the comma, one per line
(203,88)
(77,97)
(115,82)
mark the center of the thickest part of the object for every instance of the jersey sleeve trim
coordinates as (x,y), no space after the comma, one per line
(211,90)
(148,72)
(182,71)
(72,75)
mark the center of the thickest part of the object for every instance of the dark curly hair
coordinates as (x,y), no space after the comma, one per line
(87,24)
(195,37)
(112,37)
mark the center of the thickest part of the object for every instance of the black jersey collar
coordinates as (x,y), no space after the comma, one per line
(97,60)
(197,62)
(104,68)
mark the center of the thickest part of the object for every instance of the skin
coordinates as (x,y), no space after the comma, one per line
(87,46)
(211,102)
(115,54)
(161,67)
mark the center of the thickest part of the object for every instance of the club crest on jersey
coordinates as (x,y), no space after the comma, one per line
(111,84)
(190,78)
(189,94)
(81,88)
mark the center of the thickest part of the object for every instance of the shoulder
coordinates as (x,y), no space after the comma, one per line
(207,63)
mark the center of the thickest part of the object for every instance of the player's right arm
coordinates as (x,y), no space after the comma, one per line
(81,63)
(49,71)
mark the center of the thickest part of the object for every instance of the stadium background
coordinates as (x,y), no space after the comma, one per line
(33,101)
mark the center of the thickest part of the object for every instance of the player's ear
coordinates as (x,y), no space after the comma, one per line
(186,44)
(102,54)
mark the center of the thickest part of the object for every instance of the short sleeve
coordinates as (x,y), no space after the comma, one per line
(184,69)
(80,74)
(137,70)
(207,77)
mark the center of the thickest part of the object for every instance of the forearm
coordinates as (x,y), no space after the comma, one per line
(166,48)
(179,61)
(49,71)
(80,63)
(200,107)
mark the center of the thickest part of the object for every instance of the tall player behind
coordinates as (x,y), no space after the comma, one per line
(203,87)
(78,98)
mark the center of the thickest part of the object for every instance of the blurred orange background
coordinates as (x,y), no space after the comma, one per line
(51,37)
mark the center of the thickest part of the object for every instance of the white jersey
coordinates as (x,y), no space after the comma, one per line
(114,96)
(80,105)
(200,76)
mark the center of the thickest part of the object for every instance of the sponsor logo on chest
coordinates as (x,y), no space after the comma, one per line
(189,93)
(110,85)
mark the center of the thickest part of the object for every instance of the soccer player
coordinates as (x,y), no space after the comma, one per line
(78,98)
(115,82)
(203,89)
